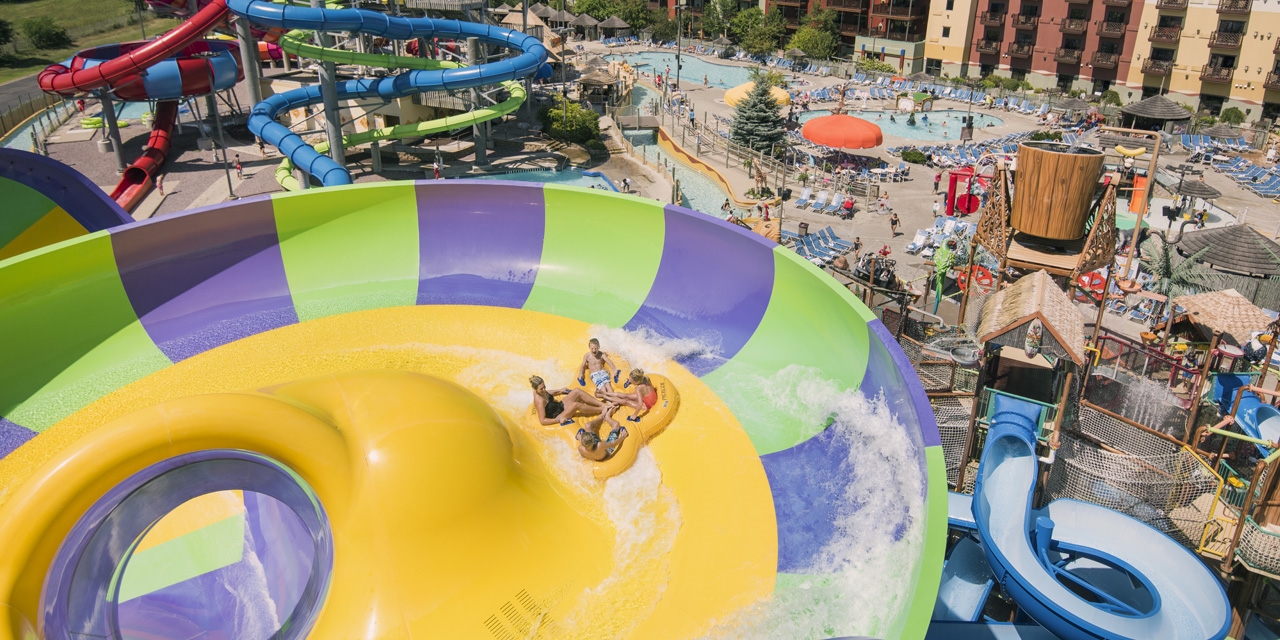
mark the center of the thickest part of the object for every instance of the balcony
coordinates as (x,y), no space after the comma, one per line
(847,5)
(900,10)
(1235,6)
(989,46)
(1102,60)
(1272,81)
(991,19)
(1167,35)
(1216,74)
(1068,56)
(1073,26)
(1027,22)
(790,3)
(1171,5)
(876,32)
(1224,40)
(1116,3)
(1021,49)
(1157,67)
(1276,49)
(1111,29)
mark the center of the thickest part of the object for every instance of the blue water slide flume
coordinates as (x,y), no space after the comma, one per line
(1078,569)
(262,119)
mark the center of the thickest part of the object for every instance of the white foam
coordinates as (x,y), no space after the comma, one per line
(862,581)
(646,349)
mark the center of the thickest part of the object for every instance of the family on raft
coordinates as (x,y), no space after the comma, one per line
(561,406)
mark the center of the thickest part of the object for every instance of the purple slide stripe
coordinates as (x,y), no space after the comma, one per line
(12,436)
(889,370)
(713,285)
(201,281)
(83,200)
(480,243)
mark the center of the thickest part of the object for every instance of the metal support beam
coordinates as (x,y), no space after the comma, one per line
(329,96)
(113,130)
(477,129)
(249,60)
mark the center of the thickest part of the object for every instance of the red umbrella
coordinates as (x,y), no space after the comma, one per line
(842,132)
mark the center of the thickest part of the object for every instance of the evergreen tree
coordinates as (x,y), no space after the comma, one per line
(756,121)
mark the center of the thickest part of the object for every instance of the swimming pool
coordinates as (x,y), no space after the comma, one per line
(940,121)
(570,177)
(693,68)
(132,112)
(700,192)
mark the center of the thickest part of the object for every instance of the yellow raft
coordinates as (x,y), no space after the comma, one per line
(639,433)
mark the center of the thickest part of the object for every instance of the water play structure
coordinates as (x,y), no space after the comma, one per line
(273,371)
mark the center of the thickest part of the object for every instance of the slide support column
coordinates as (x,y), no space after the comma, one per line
(113,130)
(478,129)
(249,60)
(329,94)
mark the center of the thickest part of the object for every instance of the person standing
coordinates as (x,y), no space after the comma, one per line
(239,168)
(435,167)
(937,207)
(857,246)
(893,224)
(262,148)
(1271,155)
(160,184)
(693,120)
(937,183)
(706,83)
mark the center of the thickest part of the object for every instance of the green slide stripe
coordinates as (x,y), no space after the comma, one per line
(188,556)
(812,325)
(68,332)
(23,206)
(354,248)
(929,575)
(597,266)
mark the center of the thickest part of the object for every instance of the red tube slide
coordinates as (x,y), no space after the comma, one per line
(63,81)
(138,177)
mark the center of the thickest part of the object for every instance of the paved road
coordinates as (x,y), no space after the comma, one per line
(14,93)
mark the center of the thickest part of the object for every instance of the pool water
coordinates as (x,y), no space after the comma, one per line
(131,112)
(700,192)
(940,121)
(692,68)
(571,178)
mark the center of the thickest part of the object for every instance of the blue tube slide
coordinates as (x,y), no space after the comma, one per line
(1256,418)
(262,119)
(1078,569)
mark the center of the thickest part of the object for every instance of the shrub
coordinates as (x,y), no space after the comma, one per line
(914,156)
(6,32)
(594,145)
(44,33)
(1055,136)
(1231,115)
(578,125)
(1111,97)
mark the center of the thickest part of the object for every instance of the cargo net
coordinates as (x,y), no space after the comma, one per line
(1259,548)
(1120,435)
(1173,492)
(952,415)
(938,373)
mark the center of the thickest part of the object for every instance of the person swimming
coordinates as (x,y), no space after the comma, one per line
(591,447)
(551,410)
(641,400)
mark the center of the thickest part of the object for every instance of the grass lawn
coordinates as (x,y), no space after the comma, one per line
(29,62)
(71,14)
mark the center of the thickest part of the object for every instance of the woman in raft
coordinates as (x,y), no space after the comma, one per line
(641,400)
(550,410)
(591,447)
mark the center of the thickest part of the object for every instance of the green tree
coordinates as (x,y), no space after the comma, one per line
(598,9)
(569,121)
(1111,97)
(770,77)
(874,65)
(661,27)
(717,17)
(745,22)
(6,32)
(1175,276)
(765,36)
(814,42)
(756,121)
(1231,115)
(633,12)
(44,33)
(821,18)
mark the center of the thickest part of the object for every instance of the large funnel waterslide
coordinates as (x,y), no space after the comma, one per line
(1078,569)
(173,66)
(301,415)
(424,75)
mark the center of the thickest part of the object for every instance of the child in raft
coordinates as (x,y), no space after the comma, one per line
(642,400)
(597,363)
(551,411)
(591,447)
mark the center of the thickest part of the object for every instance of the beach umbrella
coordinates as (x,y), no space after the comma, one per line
(614,22)
(739,93)
(722,42)
(1221,130)
(844,132)
(920,77)
(1156,108)
(1072,104)
(795,53)
(1198,189)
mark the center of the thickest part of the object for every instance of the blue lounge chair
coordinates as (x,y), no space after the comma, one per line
(806,198)
(835,205)
(829,236)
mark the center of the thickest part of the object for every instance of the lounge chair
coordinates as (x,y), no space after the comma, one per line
(806,197)
(829,236)
(836,202)
(919,242)
(820,202)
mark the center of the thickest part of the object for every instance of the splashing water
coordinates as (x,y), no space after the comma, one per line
(1152,404)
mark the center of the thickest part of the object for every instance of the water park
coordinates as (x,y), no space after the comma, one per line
(319,322)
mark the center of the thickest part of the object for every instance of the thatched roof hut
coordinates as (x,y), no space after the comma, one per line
(1007,315)
(1225,311)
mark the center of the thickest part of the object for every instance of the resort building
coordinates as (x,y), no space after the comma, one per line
(891,31)
(1206,54)
(1210,55)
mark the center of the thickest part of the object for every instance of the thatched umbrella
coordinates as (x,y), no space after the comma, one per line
(1237,248)
(1221,130)
(1225,311)
(795,53)
(722,42)
(584,20)
(614,22)
(1197,189)
(921,76)
(502,9)
(1072,104)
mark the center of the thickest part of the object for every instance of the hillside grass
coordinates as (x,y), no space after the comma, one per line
(25,63)
(71,14)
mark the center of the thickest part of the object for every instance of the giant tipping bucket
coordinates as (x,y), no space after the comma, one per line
(1053,189)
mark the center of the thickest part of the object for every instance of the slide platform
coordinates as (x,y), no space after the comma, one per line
(1078,569)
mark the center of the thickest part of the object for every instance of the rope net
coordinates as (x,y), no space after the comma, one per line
(952,415)
(1259,547)
(1173,492)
